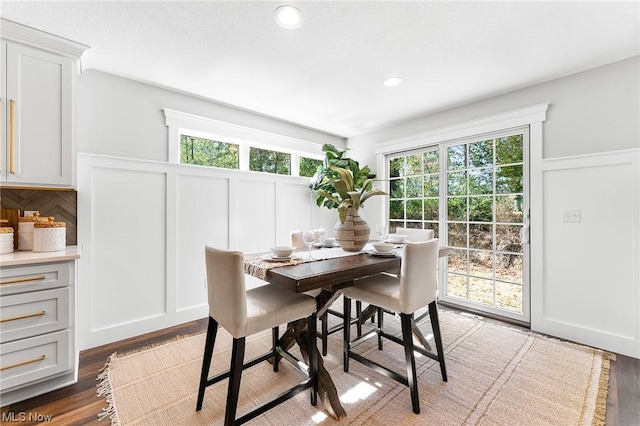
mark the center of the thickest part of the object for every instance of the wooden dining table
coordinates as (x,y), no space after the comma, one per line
(331,276)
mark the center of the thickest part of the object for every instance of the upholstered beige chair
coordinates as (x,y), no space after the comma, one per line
(325,330)
(244,312)
(414,234)
(412,290)
(296,240)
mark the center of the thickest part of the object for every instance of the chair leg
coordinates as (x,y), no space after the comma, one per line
(235,374)
(380,324)
(435,325)
(407,337)
(358,314)
(346,330)
(313,357)
(324,321)
(212,331)
(275,335)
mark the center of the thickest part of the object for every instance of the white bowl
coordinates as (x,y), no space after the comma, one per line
(329,241)
(382,247)
(282,251)
(397,238)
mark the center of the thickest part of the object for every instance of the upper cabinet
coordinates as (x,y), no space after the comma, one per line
(38,107)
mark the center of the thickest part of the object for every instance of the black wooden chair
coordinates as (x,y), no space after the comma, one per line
(245,312)
(415,288)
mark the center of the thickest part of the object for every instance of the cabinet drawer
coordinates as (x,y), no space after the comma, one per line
(30,314)
(27,360)
(19,279)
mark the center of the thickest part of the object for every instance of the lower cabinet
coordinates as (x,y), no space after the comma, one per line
(37,329)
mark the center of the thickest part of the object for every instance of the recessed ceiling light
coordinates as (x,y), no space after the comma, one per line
(392,81)
(288,16)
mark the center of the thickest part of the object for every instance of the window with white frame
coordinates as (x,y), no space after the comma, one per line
(207,142)
(470,184)
(208,152)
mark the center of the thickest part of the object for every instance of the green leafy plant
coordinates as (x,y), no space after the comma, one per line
(340,183)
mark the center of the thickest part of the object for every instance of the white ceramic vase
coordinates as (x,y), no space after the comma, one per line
(353,234)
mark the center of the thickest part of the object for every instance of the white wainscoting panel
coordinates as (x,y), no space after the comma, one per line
(588,288)
(128,256)
(143,226)
(293,211)
(202,217)
(253,214)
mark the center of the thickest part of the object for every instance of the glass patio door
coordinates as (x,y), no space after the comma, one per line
(486,205)
(473,194)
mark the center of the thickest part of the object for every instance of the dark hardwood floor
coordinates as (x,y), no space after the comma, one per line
(79,405)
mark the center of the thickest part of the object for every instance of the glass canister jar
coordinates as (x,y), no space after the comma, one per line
(25,230)
(6,238)
(49,235)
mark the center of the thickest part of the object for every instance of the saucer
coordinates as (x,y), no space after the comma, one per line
(324,245)
(381,254)
(274,258)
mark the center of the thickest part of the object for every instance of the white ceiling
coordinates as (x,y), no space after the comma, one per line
(327,74)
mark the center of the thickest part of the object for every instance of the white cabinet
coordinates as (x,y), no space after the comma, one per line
(38,107)
(37,335)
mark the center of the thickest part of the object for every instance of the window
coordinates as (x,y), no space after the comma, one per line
(480,186)
(207,152)
(264,160)
(478,172)
(414,190)
(308,166)
(207,142)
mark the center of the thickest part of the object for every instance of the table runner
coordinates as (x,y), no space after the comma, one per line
(258,266)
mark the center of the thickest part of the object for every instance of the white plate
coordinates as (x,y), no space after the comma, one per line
(274,258)
(396,242)
(326,245)
(380,254)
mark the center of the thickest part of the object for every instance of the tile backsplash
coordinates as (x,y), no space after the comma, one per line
(61,204)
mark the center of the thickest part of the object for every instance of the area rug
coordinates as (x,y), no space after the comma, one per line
(497,375)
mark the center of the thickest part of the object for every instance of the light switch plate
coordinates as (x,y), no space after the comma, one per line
(572,215)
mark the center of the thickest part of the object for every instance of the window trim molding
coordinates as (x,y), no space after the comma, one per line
(178,122)
(530,117)
(516,118)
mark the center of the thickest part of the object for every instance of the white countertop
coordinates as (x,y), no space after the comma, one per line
(30,257)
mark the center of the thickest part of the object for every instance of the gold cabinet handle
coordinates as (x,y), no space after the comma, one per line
(12,147)
(19,364)
(19,317)
(23,280)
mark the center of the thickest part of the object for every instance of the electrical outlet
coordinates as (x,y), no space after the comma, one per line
(572,215)
(29,213)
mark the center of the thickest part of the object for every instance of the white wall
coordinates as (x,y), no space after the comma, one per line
(592,111)
(585,280)
(124,118)
(143,223)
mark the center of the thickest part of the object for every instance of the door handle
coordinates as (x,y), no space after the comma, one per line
(20,364)
(12,146)
(524,234)
(23,280)
(19,317)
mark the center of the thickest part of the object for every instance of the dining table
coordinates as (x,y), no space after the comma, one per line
(330,270)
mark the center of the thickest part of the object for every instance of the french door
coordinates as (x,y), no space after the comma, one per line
(474,194)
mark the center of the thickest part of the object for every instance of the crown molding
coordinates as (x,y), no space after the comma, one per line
(13,31)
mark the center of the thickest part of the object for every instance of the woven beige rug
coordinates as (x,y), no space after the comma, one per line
(497,376)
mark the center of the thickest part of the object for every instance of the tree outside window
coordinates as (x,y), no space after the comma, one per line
(207,152)
(308,166)
(264,160)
